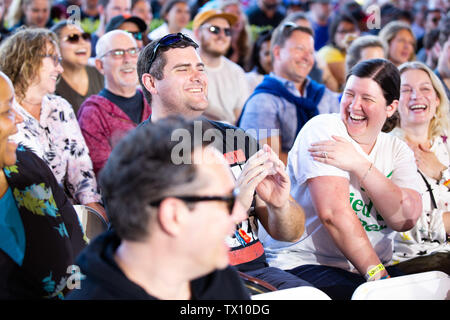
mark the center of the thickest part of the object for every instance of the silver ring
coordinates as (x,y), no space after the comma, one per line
(325,154)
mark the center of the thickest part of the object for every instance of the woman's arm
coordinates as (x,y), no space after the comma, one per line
(399,207)
(342,223)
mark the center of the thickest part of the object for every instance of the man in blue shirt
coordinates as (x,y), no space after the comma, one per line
(287,98)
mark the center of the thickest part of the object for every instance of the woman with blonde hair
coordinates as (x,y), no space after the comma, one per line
(423,124)
(400,42)
(31,59)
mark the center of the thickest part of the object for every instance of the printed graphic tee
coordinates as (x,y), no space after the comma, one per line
(390,155)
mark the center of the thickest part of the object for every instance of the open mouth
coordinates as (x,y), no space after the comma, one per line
(418,107)
(81,52)
(128,70)
(356,118)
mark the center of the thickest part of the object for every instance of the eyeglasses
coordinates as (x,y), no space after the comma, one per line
(120,53)
(75,37)
(230,200)
(136,35)
(167,41)
(56,59)
(216,30)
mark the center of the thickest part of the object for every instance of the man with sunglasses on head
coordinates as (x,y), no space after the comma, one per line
(106,117)
(173,79)
(287,98)
(169,222)
(228,88)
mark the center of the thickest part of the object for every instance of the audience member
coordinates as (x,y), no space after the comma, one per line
(320,71)
(337,157)
(175,92)
(143,10)
(176,17)
(261,61)
(155,207)
(131,24)
(108,9)
(265,13)
(41,235)
(287,98)
(400,42)
(343,30)
(362,49)
(78,80)
(105,118)
(90,16)
(4,32)
(50,128)
(319,15)
(418,26)
(29,13)
(443,66)
(424,125)
(241,41)
(228,88)
(429,53)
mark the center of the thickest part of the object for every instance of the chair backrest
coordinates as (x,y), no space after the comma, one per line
(432,285)
(298,293)
(92,221)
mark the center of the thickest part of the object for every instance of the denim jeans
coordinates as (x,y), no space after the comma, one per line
(278,278)
(337,283)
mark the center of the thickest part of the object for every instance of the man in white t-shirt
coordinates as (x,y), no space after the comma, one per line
(227,85)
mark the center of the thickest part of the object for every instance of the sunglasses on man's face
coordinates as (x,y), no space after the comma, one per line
(216,30)
(75,37)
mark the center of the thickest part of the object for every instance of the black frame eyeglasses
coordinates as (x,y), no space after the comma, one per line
(230,200)
(75,37)
(167,41)
(216,30)
(120,53)
(56,59)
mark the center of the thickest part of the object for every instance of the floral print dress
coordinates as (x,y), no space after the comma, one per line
(40,234)
(57,139)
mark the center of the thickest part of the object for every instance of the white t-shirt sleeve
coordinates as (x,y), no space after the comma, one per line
(301,165)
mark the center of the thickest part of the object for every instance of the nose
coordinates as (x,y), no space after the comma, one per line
(355,103)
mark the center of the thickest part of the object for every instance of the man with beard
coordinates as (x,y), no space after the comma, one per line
(228,88)
(105,118)
(265,13)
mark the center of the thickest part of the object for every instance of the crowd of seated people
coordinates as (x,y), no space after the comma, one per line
(339,117)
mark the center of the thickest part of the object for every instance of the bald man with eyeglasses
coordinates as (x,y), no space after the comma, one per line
(107,117)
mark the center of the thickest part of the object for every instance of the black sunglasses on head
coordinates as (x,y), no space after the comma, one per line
(75,37)
(167,41)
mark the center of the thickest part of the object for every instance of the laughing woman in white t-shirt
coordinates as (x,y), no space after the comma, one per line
(356,184)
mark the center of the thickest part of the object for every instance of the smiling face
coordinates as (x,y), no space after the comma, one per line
(49,70)
(214,44)
(8,120)
(74,53)
(295,59)
(418,98)
(401,47)
(119,71)
(364,110)
(184,86)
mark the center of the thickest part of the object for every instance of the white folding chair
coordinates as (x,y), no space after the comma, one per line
(92,221)
(432,285)
(299,293)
